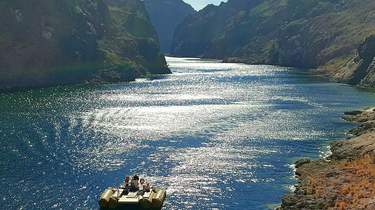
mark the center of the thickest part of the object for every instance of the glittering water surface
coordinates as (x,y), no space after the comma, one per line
(217,136)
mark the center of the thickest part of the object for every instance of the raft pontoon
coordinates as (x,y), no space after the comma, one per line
(118,199)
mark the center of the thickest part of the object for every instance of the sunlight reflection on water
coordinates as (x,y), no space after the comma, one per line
(215,135)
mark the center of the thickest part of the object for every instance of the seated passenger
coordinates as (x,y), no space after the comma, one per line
(142,182)
(126,185)
(134,185)
(147,187)
(143,187)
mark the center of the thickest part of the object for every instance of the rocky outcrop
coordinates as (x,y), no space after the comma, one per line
(132,40)
(166,15)
(365,72)
(317,34)
(346,180)
(52,42)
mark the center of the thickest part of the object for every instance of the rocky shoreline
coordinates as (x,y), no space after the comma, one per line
(346,179)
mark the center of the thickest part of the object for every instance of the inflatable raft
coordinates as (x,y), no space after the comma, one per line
(117,199)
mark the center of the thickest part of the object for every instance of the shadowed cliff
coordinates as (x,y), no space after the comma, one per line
(53,42)
(307,34)
(166,15)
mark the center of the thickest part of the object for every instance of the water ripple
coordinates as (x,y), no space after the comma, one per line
(215,135)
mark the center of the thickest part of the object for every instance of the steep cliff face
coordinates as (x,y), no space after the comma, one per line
(309,34)
(364,73)
(50,42)
(205,32)
(132,39)
(166,15)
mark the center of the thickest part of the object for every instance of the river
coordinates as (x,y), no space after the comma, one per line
(215,135)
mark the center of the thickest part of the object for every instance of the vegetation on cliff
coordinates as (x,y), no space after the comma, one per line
(309,34)
(166,15)
(50,42)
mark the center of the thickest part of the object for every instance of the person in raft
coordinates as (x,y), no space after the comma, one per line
(126,185)
(134,184)
(143,187)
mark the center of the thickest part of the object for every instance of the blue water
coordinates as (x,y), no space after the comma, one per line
(216,136)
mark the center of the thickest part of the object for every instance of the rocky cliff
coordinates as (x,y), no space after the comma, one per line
(51,42)
(346,180)
(365,60)
(166,15)
(319,34)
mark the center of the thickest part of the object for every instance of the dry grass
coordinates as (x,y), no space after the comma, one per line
(351,184)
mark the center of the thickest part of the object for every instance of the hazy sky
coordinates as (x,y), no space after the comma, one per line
(199,4)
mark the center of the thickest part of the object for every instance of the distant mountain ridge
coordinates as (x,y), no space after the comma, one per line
(53,42)
(322,34)
(166,15)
